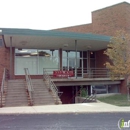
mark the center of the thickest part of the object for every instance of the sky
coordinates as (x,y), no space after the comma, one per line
(49,14)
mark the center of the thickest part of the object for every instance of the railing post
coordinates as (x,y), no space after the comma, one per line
(49,84)
(29,84)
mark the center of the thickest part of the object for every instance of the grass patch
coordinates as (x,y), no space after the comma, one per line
(118,100)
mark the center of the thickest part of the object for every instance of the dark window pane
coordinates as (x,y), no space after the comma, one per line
(92,54)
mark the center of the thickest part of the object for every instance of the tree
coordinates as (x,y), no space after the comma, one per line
(118,52)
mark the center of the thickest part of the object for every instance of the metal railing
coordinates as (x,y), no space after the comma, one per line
(4,78)
(94,73)
(29,85)
(51,86)
(84,72)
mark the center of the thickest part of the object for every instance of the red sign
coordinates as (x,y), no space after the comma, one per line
(59,73)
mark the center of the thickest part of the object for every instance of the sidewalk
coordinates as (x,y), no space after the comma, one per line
(71,108)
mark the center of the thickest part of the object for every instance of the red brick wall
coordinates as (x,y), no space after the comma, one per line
(106,21)
(5,59)
(86,28)
(123,88)
(101,58)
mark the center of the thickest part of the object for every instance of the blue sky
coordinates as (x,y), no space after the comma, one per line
(49,14)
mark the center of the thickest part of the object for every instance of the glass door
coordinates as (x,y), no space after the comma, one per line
(73,63)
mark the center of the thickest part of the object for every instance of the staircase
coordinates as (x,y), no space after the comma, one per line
(16,93)
(41,95)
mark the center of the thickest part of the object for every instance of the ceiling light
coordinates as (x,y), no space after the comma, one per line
(23,43)
(23,51)
(88,47)
(26,56)
(34,53)
(20,49)
(47,55)
(65,45)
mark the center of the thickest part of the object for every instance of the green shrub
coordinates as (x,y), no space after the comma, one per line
(83,92)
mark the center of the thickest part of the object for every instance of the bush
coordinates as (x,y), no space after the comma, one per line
(83,92)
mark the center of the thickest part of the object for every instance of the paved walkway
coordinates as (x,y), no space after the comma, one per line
(71,108)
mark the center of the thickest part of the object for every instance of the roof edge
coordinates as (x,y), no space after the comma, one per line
(112,6)
(54,33)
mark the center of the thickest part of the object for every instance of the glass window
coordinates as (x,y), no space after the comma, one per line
(25,58)
(64,54)
(73,54)
(85,54)
(92,63)
(35,60)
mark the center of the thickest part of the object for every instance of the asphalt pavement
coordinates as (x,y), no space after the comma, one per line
(64,121)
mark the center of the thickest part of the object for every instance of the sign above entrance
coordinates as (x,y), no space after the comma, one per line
(59,73)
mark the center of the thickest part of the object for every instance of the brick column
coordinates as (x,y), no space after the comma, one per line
(60,58)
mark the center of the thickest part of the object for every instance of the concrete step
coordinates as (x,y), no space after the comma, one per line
(16,80)
(15,98)
(40,89)
(18,96)
(16,93)
(14,89)
(36,104)
(43,98)
(15,105)
(43,103)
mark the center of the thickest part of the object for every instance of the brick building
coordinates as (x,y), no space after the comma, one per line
(78,48)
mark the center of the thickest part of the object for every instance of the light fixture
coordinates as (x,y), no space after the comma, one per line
(23,51)
(91,52)
(88,47)
(26,56)
(23,43)
(52,50)
(65,45)
(47,55)
(20,49)
(34,53)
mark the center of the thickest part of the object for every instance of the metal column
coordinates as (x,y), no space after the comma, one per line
(60,59)
(67,61)
(76,59)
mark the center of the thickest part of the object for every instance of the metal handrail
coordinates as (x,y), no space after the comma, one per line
(51,86)
(29,85)
(2,86)
(86,72)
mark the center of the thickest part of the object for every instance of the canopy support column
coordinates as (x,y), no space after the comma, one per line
(60,59)
(76,59)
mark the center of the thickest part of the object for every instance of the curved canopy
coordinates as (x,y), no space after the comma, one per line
(41,39)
